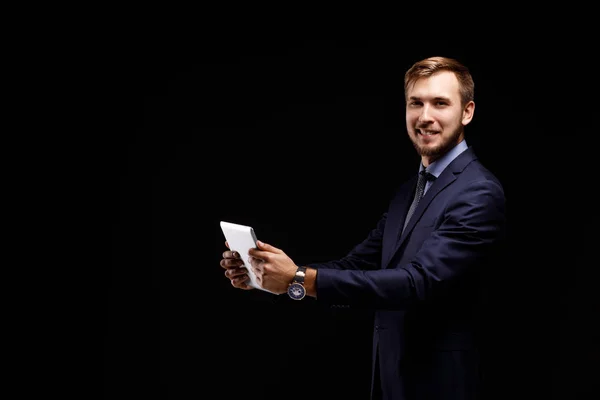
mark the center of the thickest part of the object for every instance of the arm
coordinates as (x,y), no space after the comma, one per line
(468,228)
(275,270)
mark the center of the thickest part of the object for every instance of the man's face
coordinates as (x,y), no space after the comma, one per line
(434,115)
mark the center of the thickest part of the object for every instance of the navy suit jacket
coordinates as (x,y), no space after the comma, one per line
(425,284)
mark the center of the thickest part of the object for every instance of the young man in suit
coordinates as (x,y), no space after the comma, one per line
(419,268)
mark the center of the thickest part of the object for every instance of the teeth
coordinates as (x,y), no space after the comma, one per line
(427,133)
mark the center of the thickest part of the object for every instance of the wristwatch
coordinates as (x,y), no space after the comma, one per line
(296,290)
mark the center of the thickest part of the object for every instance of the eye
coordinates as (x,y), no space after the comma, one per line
(441,103)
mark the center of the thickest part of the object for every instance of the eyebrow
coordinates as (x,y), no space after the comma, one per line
(435,98)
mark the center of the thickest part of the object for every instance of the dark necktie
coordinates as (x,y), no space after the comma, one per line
(424,176)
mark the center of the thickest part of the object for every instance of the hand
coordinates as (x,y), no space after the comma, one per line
(274,269)
(235,269)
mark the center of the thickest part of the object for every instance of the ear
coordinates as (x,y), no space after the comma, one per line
(468,112)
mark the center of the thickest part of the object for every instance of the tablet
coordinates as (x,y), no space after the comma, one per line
(241,238)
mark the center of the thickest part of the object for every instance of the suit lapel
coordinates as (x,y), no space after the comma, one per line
(437,186)
(400,206)
(396,216)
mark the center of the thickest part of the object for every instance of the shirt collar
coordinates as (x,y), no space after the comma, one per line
(436,167)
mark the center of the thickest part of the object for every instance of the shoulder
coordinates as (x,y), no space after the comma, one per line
(476,173)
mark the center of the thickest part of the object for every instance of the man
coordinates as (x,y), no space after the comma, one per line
(420,267)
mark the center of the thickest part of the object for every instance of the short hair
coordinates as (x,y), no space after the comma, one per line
(429,66)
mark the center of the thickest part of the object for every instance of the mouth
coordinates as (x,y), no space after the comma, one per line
(424,132)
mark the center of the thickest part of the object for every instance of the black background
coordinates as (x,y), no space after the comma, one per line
(305,141)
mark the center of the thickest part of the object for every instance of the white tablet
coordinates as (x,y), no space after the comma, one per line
(241,238)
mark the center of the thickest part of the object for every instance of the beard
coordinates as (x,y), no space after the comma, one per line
(442,148)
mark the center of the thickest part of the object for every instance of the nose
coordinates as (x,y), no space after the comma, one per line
(425,115)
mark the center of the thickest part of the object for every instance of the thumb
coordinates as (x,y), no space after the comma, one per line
(267,247)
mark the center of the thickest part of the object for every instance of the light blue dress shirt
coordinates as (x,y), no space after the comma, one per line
(436,167)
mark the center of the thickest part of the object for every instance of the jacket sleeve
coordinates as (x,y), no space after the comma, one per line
(468,227)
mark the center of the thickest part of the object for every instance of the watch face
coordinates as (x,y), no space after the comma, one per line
(296,291)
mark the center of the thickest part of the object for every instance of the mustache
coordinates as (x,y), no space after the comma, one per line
(422,126)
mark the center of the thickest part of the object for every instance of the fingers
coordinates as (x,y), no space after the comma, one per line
(231,259)
(238,277)
(228,263)
(241,284)
(264,251)
(231,254)
(262,255)
(267,247)
(234,273)
(256,263)
(235,269)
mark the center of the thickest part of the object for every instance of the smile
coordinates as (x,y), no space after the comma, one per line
(426,133)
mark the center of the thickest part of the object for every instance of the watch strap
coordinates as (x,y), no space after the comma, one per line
(300,274)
